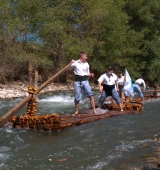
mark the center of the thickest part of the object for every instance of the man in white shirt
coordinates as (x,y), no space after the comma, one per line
(140,82)
(109,81)
(82,72)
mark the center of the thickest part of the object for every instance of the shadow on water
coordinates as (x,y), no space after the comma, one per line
(119,143)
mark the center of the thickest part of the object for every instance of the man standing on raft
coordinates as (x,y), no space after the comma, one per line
(82,72)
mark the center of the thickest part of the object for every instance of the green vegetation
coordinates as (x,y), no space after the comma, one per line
(47,34)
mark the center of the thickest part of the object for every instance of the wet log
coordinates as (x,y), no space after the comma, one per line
(58,122)
(4,119)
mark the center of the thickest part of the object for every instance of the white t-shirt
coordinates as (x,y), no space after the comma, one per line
(108,80)
(80,68)
(121,80)
(141,82)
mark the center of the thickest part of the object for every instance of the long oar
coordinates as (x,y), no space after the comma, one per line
(14,110)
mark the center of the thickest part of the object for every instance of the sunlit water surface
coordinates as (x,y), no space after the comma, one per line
(119,143)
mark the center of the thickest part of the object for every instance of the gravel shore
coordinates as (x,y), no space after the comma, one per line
(20,89)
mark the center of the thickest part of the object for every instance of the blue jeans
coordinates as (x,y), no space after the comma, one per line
(78,87)
(138,90)
(104,96)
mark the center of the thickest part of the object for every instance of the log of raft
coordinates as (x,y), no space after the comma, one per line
(56,121)
(60,121)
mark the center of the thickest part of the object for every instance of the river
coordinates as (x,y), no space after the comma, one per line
(125,142)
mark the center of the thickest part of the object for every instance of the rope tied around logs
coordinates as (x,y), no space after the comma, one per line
(32,90)
(31,108)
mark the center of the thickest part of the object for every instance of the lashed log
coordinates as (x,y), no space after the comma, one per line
(58,122)
(86,118)
(14,110)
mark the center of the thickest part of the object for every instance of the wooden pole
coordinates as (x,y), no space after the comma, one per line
(36,79)
(14,110)
(30,70)
(53,77)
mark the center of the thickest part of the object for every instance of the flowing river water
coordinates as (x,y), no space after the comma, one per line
(125,142)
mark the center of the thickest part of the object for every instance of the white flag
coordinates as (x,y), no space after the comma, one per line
(128,88)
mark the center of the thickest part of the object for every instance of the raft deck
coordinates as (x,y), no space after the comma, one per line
(60,121)
(56,121)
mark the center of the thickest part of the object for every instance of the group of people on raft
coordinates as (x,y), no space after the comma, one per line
(109,84)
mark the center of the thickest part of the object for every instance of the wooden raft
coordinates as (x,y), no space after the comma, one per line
(56,121)
(60,121)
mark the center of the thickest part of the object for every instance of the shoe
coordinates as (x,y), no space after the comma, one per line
(121,110)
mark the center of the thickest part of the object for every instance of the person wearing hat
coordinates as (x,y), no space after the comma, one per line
(120,82)
(106,84)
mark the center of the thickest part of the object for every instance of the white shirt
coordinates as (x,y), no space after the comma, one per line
(106,79)
(141,83)
(80,68)
(120,80)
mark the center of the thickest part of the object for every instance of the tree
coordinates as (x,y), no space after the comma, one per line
(145,19)
(48,34)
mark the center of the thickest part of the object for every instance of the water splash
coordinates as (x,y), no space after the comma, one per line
(57,99)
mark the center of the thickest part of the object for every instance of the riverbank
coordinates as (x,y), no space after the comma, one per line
(20,89)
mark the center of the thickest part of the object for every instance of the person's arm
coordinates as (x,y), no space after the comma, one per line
(90,74)
(117,86)
(70,67)
(100,83)
(100,86)
(144,85)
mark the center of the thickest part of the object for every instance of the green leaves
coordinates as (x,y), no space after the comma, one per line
(119,33)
